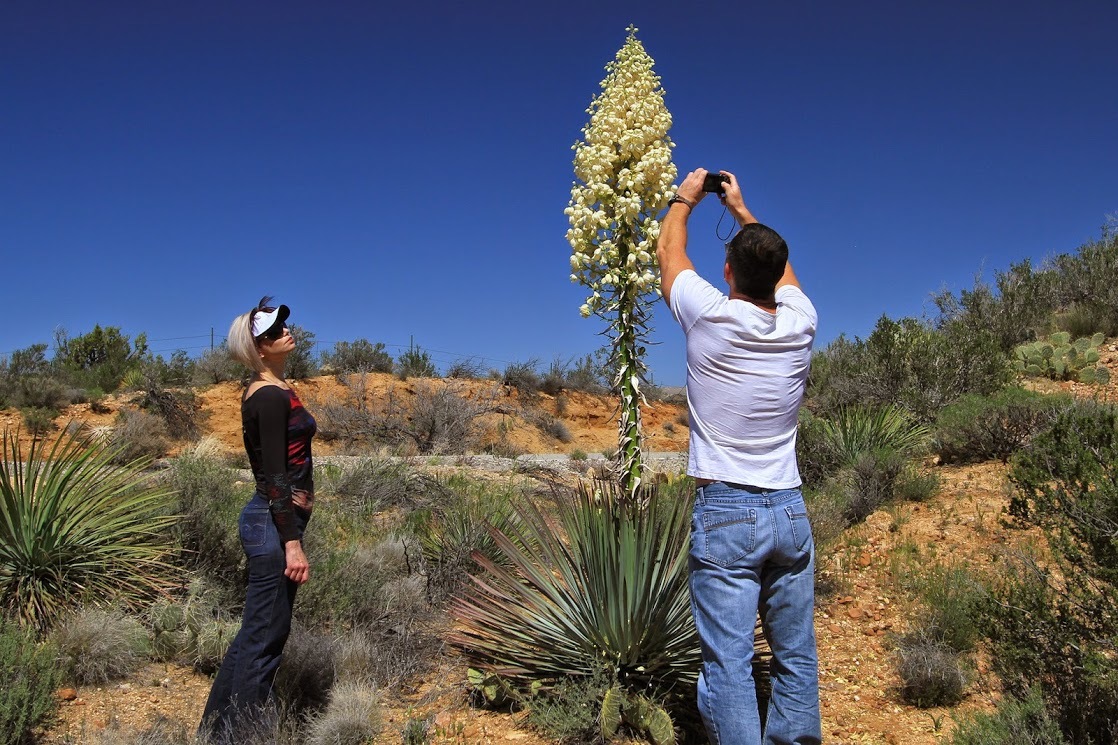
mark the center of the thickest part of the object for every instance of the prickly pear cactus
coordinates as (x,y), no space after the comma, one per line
(1061,358)
(610,719)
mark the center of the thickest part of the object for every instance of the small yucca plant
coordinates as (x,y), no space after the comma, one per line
(75,527)
(857,431)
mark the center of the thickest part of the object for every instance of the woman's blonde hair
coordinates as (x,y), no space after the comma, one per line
(242,344)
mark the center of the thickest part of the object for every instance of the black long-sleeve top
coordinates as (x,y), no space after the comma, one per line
(277,433)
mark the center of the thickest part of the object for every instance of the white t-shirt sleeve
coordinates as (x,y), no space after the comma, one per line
(794,299)
(692,297)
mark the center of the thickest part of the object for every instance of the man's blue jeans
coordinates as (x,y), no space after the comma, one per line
(752,551)
(242,691)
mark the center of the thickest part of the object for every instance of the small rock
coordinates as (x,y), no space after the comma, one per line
(66,694)
(865,559)
(855,613)
(834,628)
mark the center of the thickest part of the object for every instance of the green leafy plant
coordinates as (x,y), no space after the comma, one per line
(74,526)
(31,674)
(977,428)
(1022,721)
(855,431)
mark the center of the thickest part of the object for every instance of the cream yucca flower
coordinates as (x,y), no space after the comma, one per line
(624,175)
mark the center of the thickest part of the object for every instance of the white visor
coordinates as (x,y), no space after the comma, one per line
(263,321)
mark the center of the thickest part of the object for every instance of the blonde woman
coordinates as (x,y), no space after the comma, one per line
(277,437)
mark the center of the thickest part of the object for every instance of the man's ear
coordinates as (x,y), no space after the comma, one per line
(729,275)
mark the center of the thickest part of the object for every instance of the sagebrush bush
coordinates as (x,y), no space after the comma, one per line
(906,363)
(137,434)
(372,485)
(931,672)
(359,356)
(554,428)
(568,712)
(1054,619)
(97,645)
(217,365)
(1016,721)
(307,671)
(37,420)
(353,716)
(30,676)
(413,362)
(977,428)
(210,504)
(953,598)
(524,377)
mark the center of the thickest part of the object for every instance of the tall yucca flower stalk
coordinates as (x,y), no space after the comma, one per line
(624,174)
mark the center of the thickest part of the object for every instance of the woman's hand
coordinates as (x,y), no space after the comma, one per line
(298,570)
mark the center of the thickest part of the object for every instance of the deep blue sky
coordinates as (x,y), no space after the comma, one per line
(398,171)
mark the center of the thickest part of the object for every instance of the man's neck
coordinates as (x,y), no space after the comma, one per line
(768,305)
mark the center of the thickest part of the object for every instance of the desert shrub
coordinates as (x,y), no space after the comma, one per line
(814,456)
(826,509)
(353,716)
(978,428)
(523,376)
(387,655)
(953,603)
(451,532)
(96,646)
(440,418)
(871,482)
(30,675)
(568,712)
(209,505)
(300,363)
(1055,621)
(137,434)
(38,421)
(216,365)
(578,455)
(1016,721)
(470,368)
(554,428)
(195,628)
(931,672)
(40,391)
(177,408)
(1086,320)
(77,528)
(415,363)
(908,364)
(915,485)
(372,485)
(1086,280)
(591,373)
(555,379)
(99,358)
(306,673)
(359,356)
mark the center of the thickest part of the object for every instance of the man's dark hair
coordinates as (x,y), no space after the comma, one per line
(757,257)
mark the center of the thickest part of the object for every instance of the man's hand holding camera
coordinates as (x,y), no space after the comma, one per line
(701,182)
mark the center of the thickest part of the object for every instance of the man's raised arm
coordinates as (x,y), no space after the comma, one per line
(671,247)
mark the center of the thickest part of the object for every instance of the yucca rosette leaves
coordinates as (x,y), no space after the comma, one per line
(76,528)
(605,590)
(624,175)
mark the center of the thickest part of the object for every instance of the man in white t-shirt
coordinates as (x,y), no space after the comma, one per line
(752,552)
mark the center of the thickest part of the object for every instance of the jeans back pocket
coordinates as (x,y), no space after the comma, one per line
(729,535)
(254,528)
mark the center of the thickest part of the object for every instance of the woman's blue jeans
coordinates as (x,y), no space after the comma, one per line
(242,691)
(752,552)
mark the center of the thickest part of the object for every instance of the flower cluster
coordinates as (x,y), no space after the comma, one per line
(624,175)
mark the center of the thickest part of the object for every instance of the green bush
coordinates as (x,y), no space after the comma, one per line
(523,376)
(908,364)
(1023,721)
(568,712)
(372,485)
(78,528)
(853,432)
(38,421)
(97,646)
(978,428)
(300,363)
(415,363)
(359,356)
(216,365)
(210,505)
(1055,621)
(953,600)
(31,675)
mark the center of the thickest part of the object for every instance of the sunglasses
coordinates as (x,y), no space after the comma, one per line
(273,334)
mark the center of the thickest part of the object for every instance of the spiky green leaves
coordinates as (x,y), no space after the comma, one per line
(610,596)
(74,527)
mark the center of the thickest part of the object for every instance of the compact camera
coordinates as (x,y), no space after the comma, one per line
(713,182)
